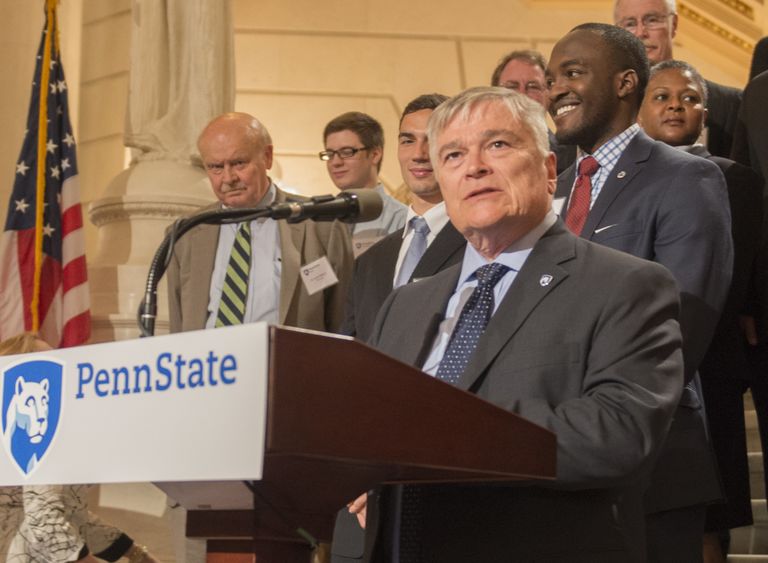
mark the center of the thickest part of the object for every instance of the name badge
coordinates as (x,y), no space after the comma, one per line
(363,243)
(318,275)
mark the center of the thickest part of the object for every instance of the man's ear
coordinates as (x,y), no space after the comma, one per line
(627,83)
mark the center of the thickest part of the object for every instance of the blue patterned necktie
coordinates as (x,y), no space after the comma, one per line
(415,251)
(472,321)
(235,291)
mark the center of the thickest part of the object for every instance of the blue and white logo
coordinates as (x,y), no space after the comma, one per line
(32,393)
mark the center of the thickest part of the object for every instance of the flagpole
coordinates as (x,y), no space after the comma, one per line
(42,140)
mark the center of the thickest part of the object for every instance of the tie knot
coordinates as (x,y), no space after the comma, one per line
(588,166)
(490,274)
(419,225)
(245,228)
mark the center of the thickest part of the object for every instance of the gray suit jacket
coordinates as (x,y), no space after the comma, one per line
(593,355)
(670,207)
(191,266)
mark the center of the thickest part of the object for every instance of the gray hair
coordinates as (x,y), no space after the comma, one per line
(671,8)
(528,112)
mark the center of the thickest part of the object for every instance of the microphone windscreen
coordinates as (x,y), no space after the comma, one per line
(369,204)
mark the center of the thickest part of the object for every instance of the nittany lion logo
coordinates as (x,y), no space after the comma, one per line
(31,410)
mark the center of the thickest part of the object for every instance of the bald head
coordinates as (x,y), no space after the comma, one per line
(236,150)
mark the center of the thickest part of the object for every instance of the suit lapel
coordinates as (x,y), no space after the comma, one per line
(203,243)
(629,164)
(291,249)
(386,262)
(540,275)
(446,244)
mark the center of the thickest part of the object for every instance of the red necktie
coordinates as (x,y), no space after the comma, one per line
(578,208)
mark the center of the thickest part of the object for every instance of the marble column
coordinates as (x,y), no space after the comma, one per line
(182,75)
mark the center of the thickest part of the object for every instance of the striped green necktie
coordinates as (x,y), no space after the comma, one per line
(235,290)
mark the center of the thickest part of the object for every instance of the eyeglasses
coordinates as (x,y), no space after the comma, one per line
(530,87)
(344,153)
(649,21)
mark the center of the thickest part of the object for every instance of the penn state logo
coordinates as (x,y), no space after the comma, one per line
(32,392)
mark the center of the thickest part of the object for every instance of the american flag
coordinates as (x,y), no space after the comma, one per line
(43,275)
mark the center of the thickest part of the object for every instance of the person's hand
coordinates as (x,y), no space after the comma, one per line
(149,558)
(357,507)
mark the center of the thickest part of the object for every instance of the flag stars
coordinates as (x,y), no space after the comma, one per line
(53,88)
(21,168)
(56,172)
(62,85)
(21,205)
(65,164)
(69,140)
(48,230)
(51,146)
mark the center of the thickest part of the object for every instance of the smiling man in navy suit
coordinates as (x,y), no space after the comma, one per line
(643,197)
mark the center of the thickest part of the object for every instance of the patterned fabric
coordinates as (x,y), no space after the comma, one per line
(608,155)
(50,524)
(415,251)
(578,209)
(472,321)
(235,290)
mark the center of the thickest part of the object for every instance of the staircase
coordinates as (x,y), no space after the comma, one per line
(750,545)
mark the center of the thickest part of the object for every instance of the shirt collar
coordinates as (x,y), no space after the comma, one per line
(514,256)
(436,218)
(609,152)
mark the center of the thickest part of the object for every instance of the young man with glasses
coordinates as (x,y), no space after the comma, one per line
(354,147)
(654,22)
(523,71)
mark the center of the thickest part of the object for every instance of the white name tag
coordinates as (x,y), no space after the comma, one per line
(361,244)
(557,205)
(318,275)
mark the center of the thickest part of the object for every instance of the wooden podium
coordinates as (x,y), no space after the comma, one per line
(342,418)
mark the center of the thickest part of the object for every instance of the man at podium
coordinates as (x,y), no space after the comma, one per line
(578,338)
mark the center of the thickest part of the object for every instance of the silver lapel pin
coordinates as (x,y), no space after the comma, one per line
(545,280)
(621,174)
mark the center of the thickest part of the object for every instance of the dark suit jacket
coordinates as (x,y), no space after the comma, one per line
(750,146)
(566,154)
(605,382)
(375,270)
(726,356)
(670,207)
(722,116)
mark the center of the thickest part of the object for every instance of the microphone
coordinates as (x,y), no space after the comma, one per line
(350,206)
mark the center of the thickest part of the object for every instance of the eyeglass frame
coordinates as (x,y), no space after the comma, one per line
(327,155)
(661,21)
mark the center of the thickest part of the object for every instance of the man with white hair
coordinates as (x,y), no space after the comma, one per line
(249,272)
(573,336)
(654,22)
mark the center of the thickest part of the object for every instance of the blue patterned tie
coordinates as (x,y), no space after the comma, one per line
(415,251)
(472,321)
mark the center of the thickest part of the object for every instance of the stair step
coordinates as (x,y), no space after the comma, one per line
(752,540)
(756,478)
